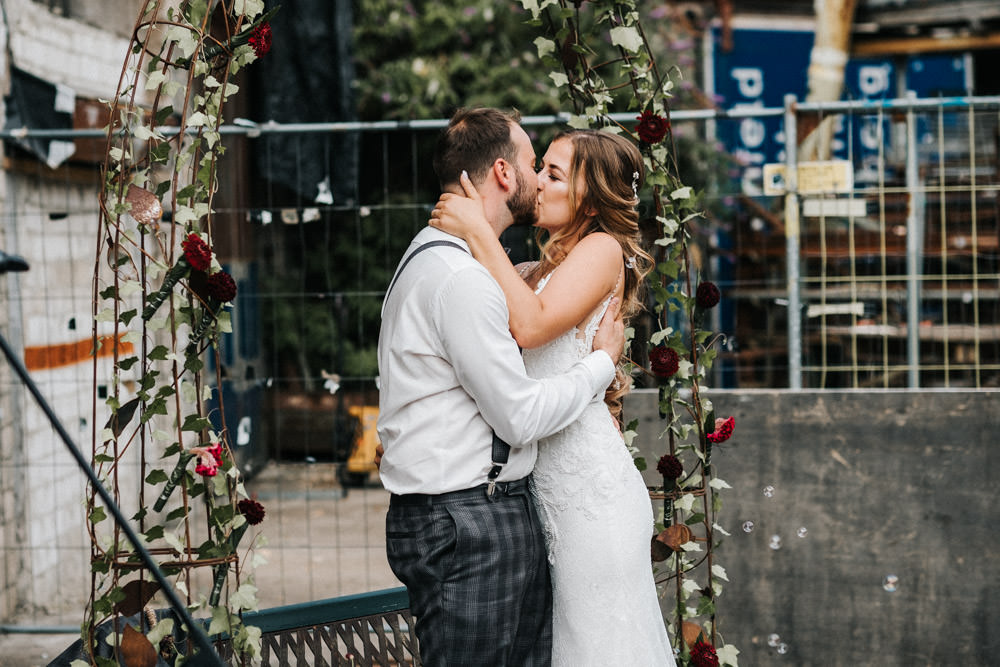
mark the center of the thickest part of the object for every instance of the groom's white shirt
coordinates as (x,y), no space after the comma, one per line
(449,371)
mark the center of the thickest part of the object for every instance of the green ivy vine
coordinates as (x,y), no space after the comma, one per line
(597,81)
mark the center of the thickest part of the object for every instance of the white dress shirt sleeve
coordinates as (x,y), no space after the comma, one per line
(471,315)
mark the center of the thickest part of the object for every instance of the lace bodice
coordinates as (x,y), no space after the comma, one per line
(565,470)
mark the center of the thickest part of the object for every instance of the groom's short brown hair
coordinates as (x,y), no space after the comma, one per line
(473,140)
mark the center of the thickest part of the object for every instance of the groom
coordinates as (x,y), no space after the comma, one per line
(461,531)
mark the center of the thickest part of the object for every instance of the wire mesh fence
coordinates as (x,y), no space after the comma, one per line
(885,253)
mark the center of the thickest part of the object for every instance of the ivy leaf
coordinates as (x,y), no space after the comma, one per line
(127,363)
(685,502)
(158,353)
(195,423)
(245,598)
(545,46)
(177,513)
(157,407)
(222,620)
(727,655)
(122,416)
(706,607)
(156,476)
(681,193)
(175,543)
(97,515)
(627,37)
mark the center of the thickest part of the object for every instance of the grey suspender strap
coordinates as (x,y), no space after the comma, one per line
(501,450)
(421,248)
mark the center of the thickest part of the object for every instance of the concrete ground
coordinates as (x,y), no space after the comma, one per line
(322,541)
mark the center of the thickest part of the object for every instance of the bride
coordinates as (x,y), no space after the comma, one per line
(592,500)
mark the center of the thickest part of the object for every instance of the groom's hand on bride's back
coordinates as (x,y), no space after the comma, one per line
(610,335)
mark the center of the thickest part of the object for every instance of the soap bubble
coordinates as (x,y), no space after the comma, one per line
(802,531)
(775,542)
(768,491)
(890,583)
(782,648)
(773,639)
(747,526)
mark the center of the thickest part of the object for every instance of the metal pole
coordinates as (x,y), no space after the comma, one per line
(792,247)
(914,249)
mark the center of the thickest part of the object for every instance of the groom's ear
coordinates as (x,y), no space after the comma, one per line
(504,174)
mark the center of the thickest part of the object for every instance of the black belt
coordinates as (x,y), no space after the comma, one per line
(475,493)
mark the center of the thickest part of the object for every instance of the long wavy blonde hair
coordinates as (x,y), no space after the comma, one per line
(611,170)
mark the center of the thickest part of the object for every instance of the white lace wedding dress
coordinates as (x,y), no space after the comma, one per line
(598,522)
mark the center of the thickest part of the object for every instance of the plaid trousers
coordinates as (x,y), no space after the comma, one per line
(477,575)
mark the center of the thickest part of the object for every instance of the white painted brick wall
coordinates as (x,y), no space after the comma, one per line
(42,518)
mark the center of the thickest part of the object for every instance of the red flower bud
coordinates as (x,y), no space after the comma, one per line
(707,295)
(196,252)
(670,466)
(260,39)
(221,287)
(703,655)
(664,361)
(652,127)
(251,510)
(723,429)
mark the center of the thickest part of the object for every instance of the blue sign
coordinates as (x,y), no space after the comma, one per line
(765,65)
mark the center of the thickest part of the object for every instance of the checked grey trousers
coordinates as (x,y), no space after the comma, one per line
(477,575)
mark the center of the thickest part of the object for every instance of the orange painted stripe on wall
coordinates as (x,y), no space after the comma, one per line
(44,357)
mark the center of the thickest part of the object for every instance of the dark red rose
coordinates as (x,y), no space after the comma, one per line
(703,655)
(707,295)
(670,466)
(251,510)
(221,287)
(652,127)
(260,39)
(196,252)
(723,429)
(664,361)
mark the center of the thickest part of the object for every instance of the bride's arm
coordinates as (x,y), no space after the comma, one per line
(583,280)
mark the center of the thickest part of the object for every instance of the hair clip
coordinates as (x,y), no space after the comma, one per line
(635,184)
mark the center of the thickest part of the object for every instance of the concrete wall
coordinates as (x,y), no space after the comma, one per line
(885,483)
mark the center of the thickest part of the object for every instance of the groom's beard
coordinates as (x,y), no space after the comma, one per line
(523,204)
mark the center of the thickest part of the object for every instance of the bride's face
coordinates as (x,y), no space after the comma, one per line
(555,209)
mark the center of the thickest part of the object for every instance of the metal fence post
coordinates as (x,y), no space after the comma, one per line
(792,246)
(914,247)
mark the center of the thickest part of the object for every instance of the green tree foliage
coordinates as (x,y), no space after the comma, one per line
(424,58)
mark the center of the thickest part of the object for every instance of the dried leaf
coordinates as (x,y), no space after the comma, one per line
(692,633)
(136,650)
(138,593)
(674,536)
(146,207)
